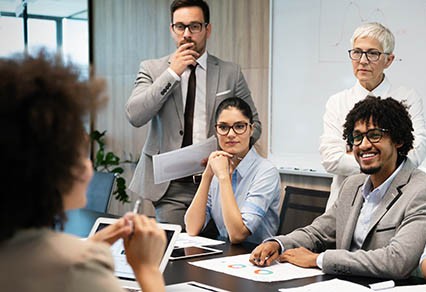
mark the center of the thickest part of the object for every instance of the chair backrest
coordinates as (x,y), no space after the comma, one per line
(300,207)
(99,191)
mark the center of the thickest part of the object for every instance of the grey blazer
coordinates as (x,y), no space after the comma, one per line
(157,97)
(396,237)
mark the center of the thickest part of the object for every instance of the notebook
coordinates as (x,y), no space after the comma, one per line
(123,271)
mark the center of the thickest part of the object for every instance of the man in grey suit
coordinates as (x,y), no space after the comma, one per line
(377,227)
(162,95)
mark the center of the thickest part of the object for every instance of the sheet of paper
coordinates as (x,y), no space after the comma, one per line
(185,240)
(334,285)
(182,162)
(410,288)
(241,267)
(192,287)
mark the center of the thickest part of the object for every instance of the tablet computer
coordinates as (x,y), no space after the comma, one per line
(122,269)
(192,251)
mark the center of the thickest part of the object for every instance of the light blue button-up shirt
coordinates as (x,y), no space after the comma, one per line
(257,192)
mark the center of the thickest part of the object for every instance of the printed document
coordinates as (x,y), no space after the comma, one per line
(241,267)
(182,162)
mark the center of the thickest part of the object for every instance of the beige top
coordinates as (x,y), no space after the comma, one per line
(44,260)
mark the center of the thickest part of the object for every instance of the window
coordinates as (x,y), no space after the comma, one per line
(58,26)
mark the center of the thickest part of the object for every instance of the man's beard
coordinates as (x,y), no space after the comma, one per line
(371,170)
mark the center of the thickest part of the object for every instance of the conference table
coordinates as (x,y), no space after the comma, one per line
(178,271)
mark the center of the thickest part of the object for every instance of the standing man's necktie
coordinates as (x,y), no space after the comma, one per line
(189,108)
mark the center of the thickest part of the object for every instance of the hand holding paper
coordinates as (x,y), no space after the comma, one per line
(182,162)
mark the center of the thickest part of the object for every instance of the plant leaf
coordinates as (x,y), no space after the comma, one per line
(119,170)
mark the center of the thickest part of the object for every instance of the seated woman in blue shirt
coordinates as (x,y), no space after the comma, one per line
(239,190)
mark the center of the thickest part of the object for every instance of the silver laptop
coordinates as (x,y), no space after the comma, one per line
(123,271)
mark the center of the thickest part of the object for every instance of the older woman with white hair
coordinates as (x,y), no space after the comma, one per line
(371,53)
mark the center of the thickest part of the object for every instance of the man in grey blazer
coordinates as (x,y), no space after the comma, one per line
(160,94)
(377,227)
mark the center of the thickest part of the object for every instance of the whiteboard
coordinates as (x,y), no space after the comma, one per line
(309,62)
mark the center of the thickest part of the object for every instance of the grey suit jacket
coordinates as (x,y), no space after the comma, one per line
(157,97)
(395,239)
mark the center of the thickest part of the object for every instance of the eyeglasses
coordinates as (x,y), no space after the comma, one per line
(373,135)
(194,27)
(239,128)
(371,55)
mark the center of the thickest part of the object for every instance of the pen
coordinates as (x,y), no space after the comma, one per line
(135,211)
(258,259)
(136,207)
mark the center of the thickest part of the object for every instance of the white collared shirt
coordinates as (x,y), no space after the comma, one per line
(199,132)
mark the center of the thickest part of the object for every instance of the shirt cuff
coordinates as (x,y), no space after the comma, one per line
(175,76)
(423,256)
(279,242)
(319,260)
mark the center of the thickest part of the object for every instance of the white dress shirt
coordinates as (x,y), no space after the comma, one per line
(199,132)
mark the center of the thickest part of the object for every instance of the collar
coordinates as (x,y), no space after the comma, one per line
(380,190)
(202,60)
(380,90)
(244,167)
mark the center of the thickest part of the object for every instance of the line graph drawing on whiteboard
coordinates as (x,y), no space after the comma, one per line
(336,28)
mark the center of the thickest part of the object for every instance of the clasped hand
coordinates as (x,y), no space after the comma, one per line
(136,231)
(219,164)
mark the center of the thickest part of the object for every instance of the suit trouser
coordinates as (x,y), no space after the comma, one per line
(172,206)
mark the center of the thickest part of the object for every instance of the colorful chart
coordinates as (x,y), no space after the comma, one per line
(240,266)
(236,266)
(263,272)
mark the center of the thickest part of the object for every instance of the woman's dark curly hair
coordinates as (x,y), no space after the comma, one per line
(42,106)
(385,113)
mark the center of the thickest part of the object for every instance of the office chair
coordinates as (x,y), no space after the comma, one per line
(99,191)
(300,207)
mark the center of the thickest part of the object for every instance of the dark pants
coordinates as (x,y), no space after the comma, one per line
(172,206)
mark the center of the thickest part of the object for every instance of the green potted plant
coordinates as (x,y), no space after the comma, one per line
(109,162)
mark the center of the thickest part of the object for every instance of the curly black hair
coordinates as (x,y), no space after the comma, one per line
(42,106)
(385,113)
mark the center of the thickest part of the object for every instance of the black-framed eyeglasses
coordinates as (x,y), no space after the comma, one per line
(239,128)
(373,135)
(194,27)
(371,55)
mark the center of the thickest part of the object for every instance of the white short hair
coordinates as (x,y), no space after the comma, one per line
(376,31)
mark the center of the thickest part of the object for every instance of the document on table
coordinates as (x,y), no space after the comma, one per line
(182,162)
(334,285)
(410,288)
(185,240)
(241,267)
(192,287)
